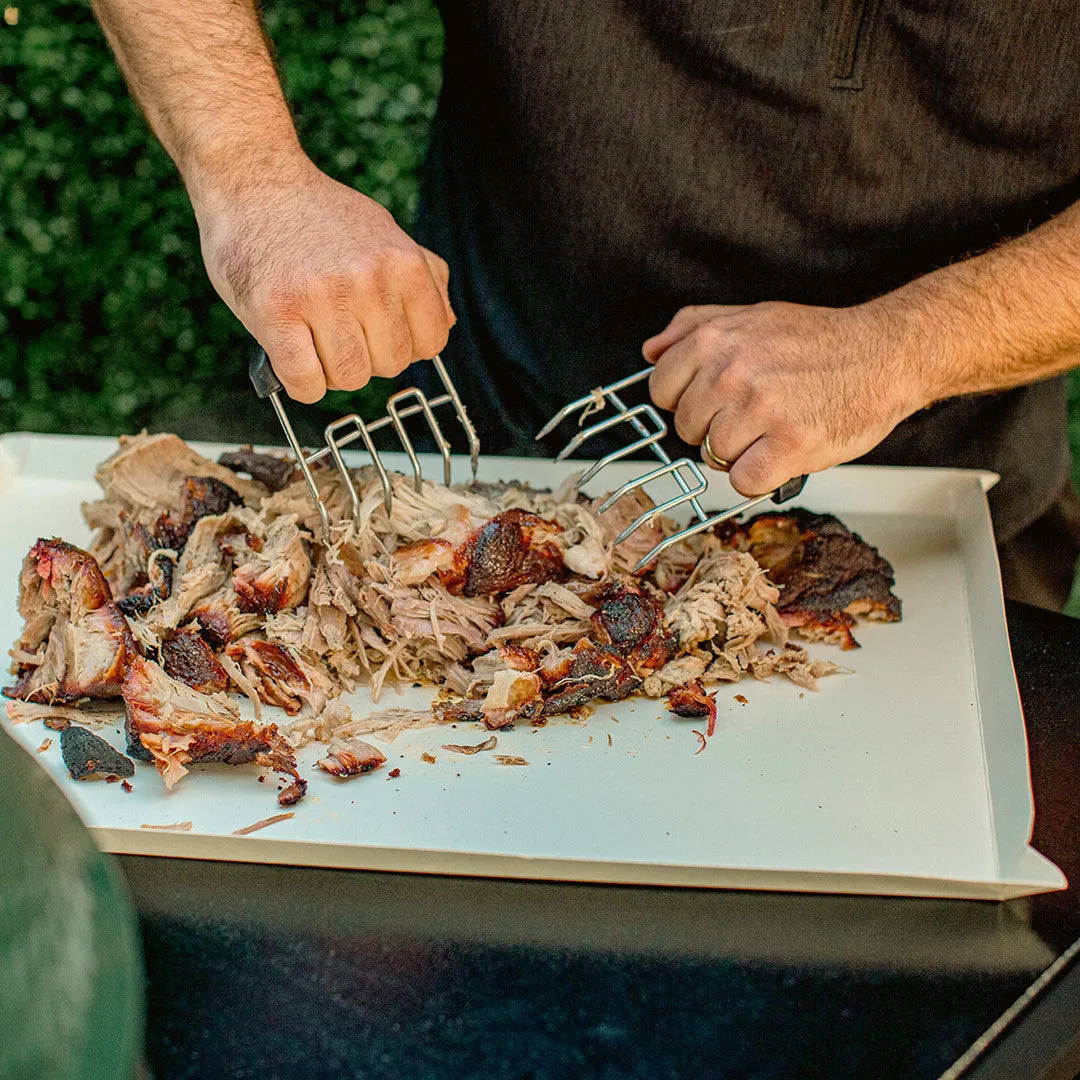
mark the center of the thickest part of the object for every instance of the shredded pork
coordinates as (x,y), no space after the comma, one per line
(201,583)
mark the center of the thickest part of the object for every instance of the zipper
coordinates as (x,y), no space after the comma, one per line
(850,42)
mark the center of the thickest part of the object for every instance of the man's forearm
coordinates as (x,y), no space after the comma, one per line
(205,79)
(1001,319)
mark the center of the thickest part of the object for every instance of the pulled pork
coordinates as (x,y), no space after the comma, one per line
(201,582)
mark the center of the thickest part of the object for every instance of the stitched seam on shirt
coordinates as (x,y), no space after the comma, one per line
(851,43)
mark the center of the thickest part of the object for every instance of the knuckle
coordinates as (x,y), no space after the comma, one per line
(413,270)
(430,342)
(684,429)
(350,372)
(658,390)
(278,301)
(710,339)
(368,276)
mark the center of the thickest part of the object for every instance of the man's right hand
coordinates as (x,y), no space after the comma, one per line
(322,277)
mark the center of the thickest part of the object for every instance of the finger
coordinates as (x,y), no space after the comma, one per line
(295,362)
(426,311)
(389,340)
(762,467)
(673,374)
(440,271)
(343,351)
(729,439)
(686,320)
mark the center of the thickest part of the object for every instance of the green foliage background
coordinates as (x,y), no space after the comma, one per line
(107,320)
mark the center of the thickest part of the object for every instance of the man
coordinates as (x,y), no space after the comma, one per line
(824,181)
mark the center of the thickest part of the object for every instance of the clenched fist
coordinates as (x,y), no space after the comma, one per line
(322,277)
(784,389)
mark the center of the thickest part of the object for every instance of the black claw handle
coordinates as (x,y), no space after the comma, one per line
(262,375)
(789,490)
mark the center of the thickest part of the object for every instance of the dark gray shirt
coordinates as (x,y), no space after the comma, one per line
(594,166)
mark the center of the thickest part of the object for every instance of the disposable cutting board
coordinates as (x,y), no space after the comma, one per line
(908,775)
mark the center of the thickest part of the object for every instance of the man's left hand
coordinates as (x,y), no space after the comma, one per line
(784,389)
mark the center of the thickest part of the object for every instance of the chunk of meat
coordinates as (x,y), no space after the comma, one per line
(351,757)
(148,472)
(631,621)
(269,470)
(281,676)
(75,641)
(158,586)
(794,662)
(689,700)
(416,562)
(277,576)
(185,656)
(174,726)
(827,574)
(200,497)
(514,695)
(513,548)
(221,619)
(642,540)
(590,671)
(88,756)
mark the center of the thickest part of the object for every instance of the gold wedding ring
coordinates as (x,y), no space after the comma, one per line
(719,462)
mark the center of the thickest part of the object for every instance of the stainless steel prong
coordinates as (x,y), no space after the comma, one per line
(333,447)
(462,415)
(612,421)
(348,429)
(701,526)
(590,399)
(302,463)
(392,408)
(688,494)
(648,439)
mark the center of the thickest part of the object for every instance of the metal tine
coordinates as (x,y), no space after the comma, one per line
(302,461)
(610,393)
(592,399)
(463,419)
(701,526)
(267,385)
(687,495)
(632,448)
(616,455)
(433,424)
(610,422)
(334,445)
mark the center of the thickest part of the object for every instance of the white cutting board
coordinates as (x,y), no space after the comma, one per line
(908,776)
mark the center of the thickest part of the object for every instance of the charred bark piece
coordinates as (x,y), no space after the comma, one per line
(158,587)
(271,471)
(200,496)
(89,756)
(826,573)
(689,700)
(631,621)
(513,548)
(292,793)
(591,671)
(186,657)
